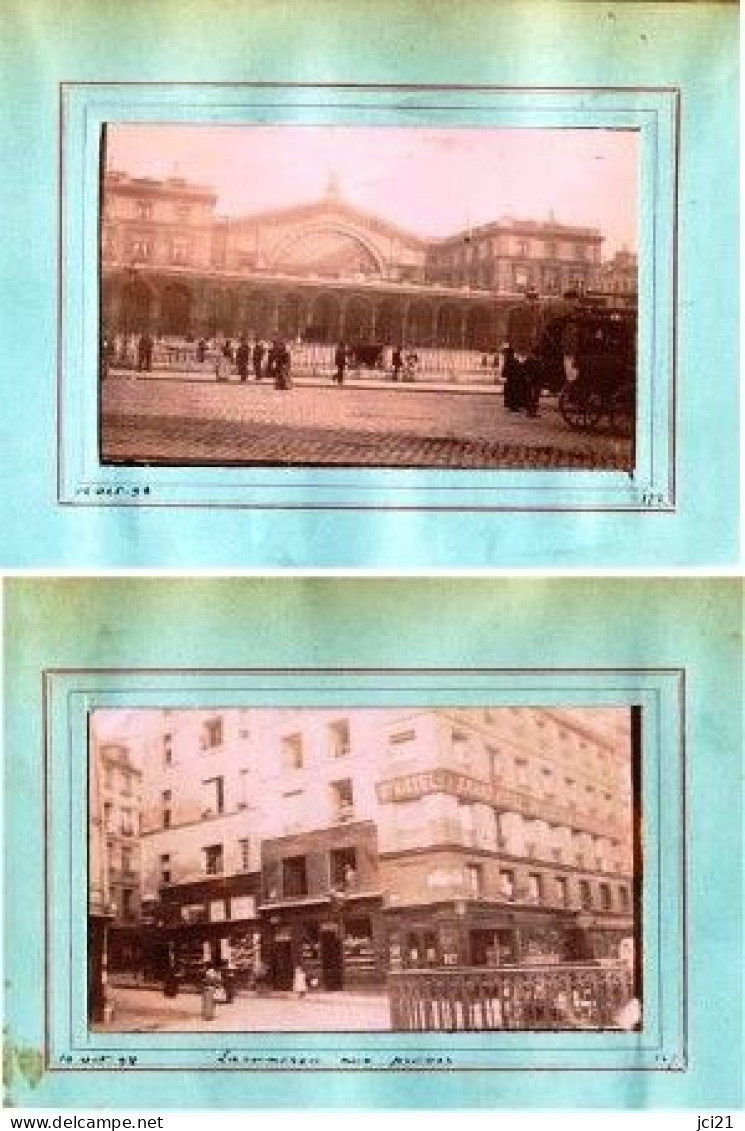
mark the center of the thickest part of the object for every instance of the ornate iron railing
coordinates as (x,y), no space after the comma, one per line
(551,997)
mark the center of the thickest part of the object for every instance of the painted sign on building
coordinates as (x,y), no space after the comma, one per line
(409,787)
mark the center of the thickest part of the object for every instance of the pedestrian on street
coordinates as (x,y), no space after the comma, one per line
(201,351)
(283,366)
(257,358)
(241,358)
(299,981)
(396,363)
(210,987)
(340,361)
(145,352)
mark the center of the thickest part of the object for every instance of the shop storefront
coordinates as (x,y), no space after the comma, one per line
(339,942)
(465,933)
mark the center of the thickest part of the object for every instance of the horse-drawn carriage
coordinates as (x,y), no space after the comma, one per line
(588,357)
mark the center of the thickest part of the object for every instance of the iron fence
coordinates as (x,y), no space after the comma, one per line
(552,997)
(315,360)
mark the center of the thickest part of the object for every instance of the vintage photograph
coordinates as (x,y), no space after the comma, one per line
(364,869)
(377,296)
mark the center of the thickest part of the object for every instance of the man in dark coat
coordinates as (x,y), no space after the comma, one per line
(521,381)
(397,362)
(241,359)
(340,361)
(257,358)
(145,352)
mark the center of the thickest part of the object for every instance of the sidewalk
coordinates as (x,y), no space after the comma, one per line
(147,1010)
(431,382)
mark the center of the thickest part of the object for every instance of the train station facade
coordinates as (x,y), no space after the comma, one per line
(356,843)
(321,272)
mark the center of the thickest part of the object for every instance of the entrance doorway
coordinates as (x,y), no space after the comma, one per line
(281,965)
(332,972)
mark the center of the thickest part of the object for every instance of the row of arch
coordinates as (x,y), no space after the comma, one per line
(176,309)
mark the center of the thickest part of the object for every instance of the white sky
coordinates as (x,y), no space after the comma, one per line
(431,182)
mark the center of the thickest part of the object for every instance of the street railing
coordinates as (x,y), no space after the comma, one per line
(551,997)
(317,360)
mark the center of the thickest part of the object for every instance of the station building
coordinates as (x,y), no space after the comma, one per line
(358,842)
(320,272)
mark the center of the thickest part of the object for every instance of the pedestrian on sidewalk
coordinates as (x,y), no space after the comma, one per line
(396,363)
(257,358)
(299,981)
(340,361)
(241,358)
(211,984)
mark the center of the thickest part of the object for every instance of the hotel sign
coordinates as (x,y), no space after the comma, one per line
(412,786)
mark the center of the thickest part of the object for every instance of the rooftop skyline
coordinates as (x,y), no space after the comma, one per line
(430,182)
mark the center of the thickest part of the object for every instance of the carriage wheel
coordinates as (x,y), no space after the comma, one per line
(580,411)
(622,414)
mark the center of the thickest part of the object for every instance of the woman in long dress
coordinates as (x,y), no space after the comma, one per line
(299,981)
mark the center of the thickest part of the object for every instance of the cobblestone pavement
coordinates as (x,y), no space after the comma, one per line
(147,1010)
(154,420)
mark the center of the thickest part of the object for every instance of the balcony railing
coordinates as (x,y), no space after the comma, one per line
(510,997)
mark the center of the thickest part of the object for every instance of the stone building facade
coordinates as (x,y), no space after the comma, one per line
(114,877)
(320,272)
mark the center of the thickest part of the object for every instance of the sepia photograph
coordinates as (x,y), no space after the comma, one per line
(364,870)
(368,296)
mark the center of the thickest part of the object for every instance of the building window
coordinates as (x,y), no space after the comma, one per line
(180,251)
(605,897)
(213,860)
(141,248)
(475,880)
(213,796)
(461,747)
(585,895)
(580,251)
(523,247)
(244,849)
(126,859)
(292,752)
(339,744)
(126,785)
(521,278)
(168,749)
(535,887)
(343,868)
(561,891)
(294,877)
(183,211)
(342,800)
(243,790)
(506,883)
(165,868)
(126,826)
(108,810)
(623,897)
(212,734)
(128,903)
(165,799)
(144,209)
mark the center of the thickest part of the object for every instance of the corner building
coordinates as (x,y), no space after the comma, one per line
(362,841)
